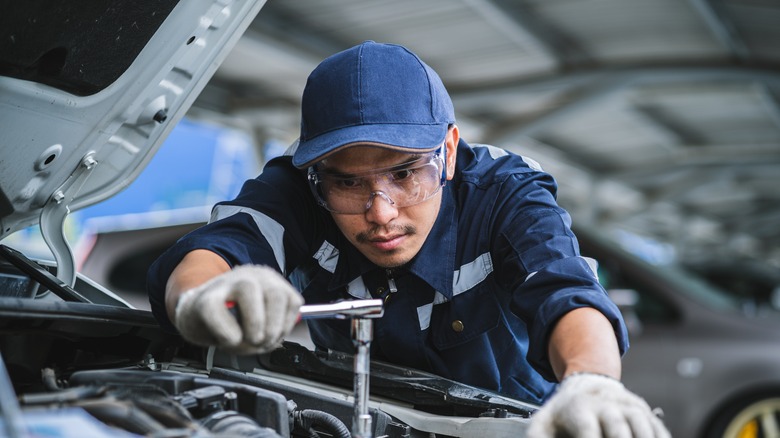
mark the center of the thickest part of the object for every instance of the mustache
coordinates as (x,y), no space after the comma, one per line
(368,235)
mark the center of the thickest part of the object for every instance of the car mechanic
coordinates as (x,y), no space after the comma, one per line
(477,265)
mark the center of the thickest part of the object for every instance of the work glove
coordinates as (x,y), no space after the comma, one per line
(588,405)
(266,309)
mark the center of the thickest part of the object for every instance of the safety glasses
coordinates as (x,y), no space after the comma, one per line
(402,185)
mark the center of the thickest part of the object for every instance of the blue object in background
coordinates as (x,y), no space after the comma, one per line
(199,165)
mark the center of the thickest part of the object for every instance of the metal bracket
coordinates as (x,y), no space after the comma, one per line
(52,219)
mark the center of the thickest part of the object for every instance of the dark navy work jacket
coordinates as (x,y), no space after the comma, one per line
(475,305)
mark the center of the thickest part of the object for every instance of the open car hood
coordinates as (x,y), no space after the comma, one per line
(88,92)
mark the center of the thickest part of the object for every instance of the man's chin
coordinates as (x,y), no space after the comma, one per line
(389,261)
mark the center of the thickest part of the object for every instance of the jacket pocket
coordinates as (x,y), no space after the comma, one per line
(467,317)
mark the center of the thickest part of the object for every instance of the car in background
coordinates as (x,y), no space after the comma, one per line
(756,285)
(711,367)
(88,92)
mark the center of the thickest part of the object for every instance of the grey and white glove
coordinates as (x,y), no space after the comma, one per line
(594,406)
(268,308)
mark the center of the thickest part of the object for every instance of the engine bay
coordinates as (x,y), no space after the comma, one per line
(72,366)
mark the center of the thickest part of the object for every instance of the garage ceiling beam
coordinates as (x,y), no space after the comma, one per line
(567,50)
(769,98)
(509,27)
(732,156)
(672,128)
(721,27)
(602,87)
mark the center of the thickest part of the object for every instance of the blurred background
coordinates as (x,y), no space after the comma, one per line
(659,119)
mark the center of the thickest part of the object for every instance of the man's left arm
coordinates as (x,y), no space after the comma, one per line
(583,341)
(591,401)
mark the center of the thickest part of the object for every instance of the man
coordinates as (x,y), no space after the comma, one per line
(476,263)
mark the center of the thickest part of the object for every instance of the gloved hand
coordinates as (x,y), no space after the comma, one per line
(268,308)
(594,406)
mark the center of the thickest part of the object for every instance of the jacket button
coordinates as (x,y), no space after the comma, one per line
(457,325)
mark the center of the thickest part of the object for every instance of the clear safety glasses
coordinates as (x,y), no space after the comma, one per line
(402,185)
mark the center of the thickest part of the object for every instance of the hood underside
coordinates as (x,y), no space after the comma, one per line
(90,89)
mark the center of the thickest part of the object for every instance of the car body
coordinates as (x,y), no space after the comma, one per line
(695,352)
(88,92)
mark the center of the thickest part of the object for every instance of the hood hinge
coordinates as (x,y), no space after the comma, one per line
(53,215)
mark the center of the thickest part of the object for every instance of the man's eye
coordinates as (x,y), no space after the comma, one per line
(403,174)
(348,183)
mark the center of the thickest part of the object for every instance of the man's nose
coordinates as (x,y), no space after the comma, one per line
(380,208)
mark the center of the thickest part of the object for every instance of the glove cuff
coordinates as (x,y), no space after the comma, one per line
(593,383)
(589,373)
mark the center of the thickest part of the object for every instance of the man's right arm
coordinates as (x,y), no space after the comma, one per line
(196,268)
(231,261)
(197,297)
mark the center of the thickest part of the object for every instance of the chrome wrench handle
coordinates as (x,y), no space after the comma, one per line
(344,309)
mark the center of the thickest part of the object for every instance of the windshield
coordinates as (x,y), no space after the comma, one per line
(625,262)
(701,290)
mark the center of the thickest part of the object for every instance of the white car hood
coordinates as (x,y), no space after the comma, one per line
(87,95)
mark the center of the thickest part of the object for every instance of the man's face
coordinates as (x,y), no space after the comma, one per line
(388,235)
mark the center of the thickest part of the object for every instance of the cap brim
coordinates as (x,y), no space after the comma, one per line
(401,137)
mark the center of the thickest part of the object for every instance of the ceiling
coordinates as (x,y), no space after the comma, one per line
(659,117)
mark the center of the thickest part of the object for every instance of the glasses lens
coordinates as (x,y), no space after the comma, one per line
(406,185)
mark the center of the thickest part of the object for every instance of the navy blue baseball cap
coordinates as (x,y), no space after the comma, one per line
(375,94)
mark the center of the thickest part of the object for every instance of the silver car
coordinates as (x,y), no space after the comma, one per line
(88,92)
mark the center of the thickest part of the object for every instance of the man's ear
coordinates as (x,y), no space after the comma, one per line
(452,139)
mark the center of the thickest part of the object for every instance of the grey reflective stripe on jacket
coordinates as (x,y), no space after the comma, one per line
(272,231)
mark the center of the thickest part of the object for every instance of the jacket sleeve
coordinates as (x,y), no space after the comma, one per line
(269,223)
(540,262)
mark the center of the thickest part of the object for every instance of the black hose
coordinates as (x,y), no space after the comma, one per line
(168,412)
(307,418)
(234,424)
(122,414)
